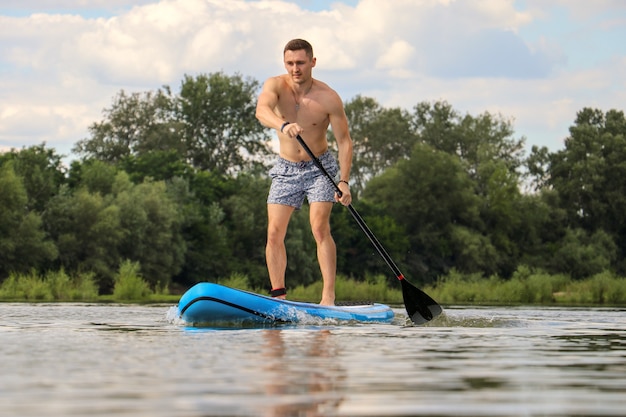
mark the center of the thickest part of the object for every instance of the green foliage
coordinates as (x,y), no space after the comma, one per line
(527,286)
(476,140)
(155,165)
(129,284)
(84,287)
(80,287)
(374,290)
(134,123)
(436,199)
(150,222)
(176,182)
(381,138)
(589,175)
(41,171)
(582,256)
(237,280)
(302,265)
(95,176)
(204,229)
(27,286)
(87,230)
(60,285)
(603,288)
(23,242)
(54,286)
(210,123)
(217,115)
(246,224)
(356,256)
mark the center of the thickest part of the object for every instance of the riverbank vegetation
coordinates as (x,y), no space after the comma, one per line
(524,288)
(171,186)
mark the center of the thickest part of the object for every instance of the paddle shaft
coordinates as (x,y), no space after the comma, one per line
(370,235)
(419,306)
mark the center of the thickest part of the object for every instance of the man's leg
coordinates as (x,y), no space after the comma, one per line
(278,216)
(326,249)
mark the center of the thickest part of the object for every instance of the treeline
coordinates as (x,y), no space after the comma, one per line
(175,182)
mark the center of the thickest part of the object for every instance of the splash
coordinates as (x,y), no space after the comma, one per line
(173,317)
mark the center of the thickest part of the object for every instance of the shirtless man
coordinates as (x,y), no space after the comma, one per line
(297,104)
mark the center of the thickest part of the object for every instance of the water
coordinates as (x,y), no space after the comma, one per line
(121,360)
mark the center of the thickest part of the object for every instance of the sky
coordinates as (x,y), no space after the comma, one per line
(533,62)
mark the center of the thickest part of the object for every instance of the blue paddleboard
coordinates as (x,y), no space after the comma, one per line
(207,303)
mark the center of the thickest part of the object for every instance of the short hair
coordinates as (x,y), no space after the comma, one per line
(298,44)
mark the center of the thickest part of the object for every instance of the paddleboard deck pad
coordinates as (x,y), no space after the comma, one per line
(207,303)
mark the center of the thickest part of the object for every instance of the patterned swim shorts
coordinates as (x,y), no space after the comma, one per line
(292,181)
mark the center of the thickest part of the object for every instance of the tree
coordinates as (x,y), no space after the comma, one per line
(134,124)
(209,252)
(220,130)
(540,230)
(356,256)
(491,157)
(86,229)
(94,175)
(537,166)
(582,255)
(439,211)
(474,140)
(590,175)
(151,225)
(381,137)
(246,220)
(210,124)
(41,171)
(23,243)
(156,165)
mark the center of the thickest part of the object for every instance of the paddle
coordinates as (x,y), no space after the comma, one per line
(420,307)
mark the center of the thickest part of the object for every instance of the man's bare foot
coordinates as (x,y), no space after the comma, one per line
(326,302)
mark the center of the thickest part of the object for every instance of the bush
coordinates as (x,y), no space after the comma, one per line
(84,287)
(26,287)
(456,287)
(54,286)
(60,285)
(525,287)
(607,289)
(129,285)
(375,289)
(238,281)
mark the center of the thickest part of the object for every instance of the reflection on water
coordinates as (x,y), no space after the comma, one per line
(125,360)
(302,378)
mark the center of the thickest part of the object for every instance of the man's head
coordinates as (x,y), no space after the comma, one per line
(299,44)
(299,60)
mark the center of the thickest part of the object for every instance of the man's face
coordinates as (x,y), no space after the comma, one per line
(298,65)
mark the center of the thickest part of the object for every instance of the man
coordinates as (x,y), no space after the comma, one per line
(297,104)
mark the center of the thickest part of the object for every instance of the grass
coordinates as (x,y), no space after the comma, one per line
(530,287)
(53,286)
(526,286)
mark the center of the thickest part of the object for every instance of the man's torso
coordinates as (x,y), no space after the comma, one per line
(310,113)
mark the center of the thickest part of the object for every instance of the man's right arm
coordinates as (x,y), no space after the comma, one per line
(267,102)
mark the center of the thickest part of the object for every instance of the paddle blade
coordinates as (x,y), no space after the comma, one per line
(420,307)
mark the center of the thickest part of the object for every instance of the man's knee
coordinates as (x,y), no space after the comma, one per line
(275,236)
(321,232)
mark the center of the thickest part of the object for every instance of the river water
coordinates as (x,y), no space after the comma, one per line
(136,360)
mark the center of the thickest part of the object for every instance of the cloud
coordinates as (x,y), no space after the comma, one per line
(60,67)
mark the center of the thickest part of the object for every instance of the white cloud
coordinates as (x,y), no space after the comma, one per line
(59,69)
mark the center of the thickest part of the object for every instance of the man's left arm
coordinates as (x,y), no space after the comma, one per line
(339,125)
